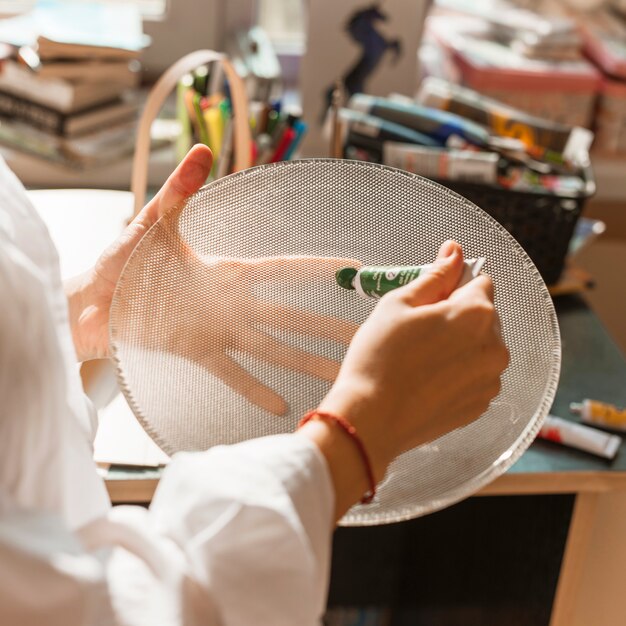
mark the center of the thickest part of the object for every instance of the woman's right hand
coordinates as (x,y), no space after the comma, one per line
(427,361)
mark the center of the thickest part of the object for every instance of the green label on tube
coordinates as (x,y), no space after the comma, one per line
(374,282)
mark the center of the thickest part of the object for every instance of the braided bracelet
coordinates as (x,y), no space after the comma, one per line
(350,430)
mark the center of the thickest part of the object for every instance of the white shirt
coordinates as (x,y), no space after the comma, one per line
(235,535)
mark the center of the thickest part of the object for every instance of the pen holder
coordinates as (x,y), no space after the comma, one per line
(163,87)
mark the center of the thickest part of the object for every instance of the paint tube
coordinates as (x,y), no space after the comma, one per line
(600,414)
(374,131)
(375,281)
(541,137)
(435,123)
(581,437)
(442,164)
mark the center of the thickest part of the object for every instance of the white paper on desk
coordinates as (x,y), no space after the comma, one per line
(121,439)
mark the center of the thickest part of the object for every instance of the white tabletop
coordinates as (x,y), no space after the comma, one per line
(82,223)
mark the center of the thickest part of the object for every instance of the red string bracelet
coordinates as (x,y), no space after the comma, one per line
(351,431)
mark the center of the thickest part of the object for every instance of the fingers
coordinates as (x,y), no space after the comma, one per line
(480,287)
(474,302)
(265,347)
(244,384)
(440,281)
(300,321)
(184,181)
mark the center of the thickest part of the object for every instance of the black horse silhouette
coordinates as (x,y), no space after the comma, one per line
(361,27)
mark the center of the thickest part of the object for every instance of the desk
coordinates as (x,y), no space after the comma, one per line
(592,367)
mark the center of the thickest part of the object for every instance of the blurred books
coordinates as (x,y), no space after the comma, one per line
(547,77)
(556,60)
(68,94)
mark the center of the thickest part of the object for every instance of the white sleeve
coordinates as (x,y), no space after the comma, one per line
(45,575)
(254,522)
(46,458)
(237,535)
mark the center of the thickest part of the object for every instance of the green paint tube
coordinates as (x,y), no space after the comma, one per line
(375,281)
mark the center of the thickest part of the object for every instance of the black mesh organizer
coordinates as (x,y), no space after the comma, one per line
(543,223)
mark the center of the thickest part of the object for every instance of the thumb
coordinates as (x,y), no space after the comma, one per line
(186,179)
(440,281)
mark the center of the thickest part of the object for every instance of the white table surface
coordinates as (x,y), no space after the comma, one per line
(82,223)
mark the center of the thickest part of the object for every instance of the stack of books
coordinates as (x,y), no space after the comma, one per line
(604,34)
(68,92)
(529,60)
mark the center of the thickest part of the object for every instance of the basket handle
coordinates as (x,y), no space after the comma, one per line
(166,83)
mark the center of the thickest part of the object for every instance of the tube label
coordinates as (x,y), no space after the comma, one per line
(375,281)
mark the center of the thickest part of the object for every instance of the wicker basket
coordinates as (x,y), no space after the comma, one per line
(543,223)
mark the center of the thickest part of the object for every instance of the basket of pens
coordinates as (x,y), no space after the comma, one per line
(206,115)
(532,175)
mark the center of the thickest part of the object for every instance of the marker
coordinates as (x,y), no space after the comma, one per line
(202,128)
(581,437)
(300,127)
(272,120)
(286,140)
(223,163)
(215,126)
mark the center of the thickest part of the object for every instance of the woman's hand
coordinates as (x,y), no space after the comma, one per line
(90,294)
(208,310)
(427,361)
(214,310)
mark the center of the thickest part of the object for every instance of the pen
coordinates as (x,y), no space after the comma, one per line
(202,128)
(289,135)
(300,127)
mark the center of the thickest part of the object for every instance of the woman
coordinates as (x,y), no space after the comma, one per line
(235,535)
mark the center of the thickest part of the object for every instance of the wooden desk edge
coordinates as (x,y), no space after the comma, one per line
(543,483)
(140,491)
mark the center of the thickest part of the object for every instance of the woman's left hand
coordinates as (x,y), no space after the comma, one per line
(90,294)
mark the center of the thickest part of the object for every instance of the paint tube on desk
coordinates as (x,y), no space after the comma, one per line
(581,437)
(375,281)
(469,165)
(600,414)
(543,139)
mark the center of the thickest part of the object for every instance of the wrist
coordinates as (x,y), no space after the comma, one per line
(344,462)
(370,421)
(357,461)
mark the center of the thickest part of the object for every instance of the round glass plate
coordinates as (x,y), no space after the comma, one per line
(272,327)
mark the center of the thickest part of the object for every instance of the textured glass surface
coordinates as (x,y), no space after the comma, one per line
(201,262)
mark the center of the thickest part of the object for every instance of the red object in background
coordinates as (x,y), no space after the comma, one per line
(285,141)
(551,434)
